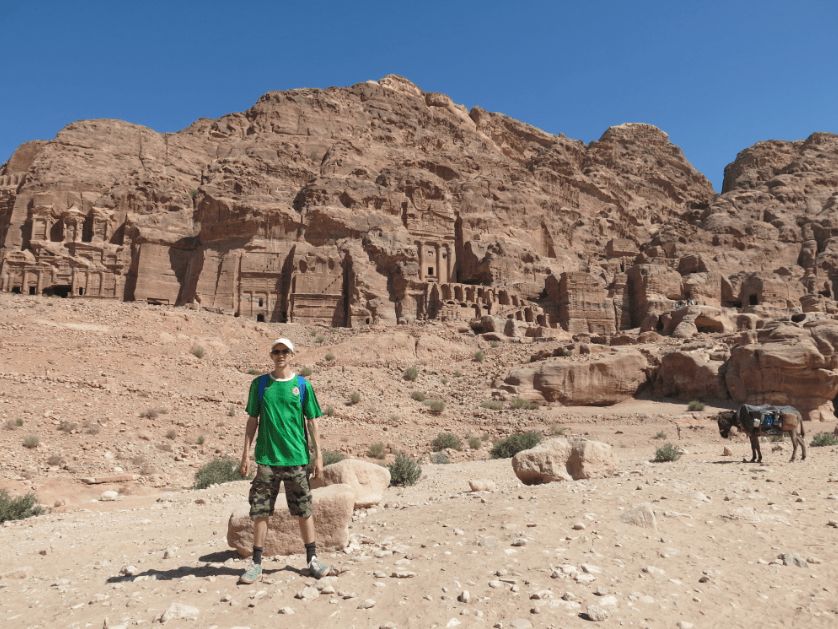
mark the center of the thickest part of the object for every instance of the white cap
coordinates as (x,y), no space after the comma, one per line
(285,342)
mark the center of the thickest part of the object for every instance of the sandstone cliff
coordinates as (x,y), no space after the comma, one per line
(341,205)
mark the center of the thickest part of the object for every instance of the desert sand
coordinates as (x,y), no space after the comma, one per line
(554,555)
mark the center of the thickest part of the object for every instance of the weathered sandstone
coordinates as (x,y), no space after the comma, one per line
(332,511)
(562,459)
(367,480)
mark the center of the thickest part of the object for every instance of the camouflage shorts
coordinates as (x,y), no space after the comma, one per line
(265,488)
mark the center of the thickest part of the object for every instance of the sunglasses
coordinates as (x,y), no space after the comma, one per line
(275,352)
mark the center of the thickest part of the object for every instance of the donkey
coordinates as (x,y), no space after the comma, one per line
(792,423)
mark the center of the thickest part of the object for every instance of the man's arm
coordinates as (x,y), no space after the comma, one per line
(314,431)
(249,433)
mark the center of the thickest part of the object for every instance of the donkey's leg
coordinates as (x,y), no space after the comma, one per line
(802,444)
(794,436)
(754,447)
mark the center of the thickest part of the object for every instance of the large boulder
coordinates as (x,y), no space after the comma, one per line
(332,510)
(561,459)
(788,365)
(601,381)
(367,480)
(691,375)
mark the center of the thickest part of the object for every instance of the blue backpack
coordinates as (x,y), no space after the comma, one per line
(301,384)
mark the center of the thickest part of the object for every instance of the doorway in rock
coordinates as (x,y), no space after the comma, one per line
(260,318)
(58,291)
(753,300)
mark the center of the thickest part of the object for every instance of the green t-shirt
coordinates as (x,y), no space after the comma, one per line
(282,437)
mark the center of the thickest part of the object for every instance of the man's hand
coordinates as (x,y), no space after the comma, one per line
(244,468)
(318,466)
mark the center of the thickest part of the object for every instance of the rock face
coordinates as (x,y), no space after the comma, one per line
(332,511)
(367,480)
(691,375)
(561,459)
(606,380)
(347,206)
(788,364)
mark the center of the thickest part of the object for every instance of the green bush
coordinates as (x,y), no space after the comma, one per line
(200,440)
(56,459)
(394,419)
(418,396)
(568,353)
(495,344)
(457,374)
(18,508)
(320,339)
(67,427)
(330,410)
(695,405)
(514,444)
(493,405)
(329,357)
(355,398)
(446,440)
(254,372)
(376,451)
(220,470)
(305,372)
(474,443)
(332,457)
(31,441)
(667,453)
(12,424)
(518,403)
(313,333)
(556,430)
(404,471)
(198,351)
(440,458)
(435,406)
(445,381)
(411,373)
(231,412)
(193,192)
(479,356)
(823,439)
(660,435)
(91,428)
(171,434)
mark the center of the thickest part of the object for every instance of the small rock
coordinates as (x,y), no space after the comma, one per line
(109,496)
(793,559)
(379,574)
(179,611)
(464,597)
(367,604)
(683,624)
(519,541)
(727,452)
(596,613)
(403,574)
(482,485)
(579,526)
(495,584)
(569,596)
(520,623)
(285,610)
(307,594)
(653,570)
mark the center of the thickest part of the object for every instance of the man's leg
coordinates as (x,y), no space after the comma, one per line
(262,498)
(306,529)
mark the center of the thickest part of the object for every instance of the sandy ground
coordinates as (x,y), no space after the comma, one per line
(539,554)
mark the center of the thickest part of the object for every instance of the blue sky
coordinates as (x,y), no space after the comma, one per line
(717,76)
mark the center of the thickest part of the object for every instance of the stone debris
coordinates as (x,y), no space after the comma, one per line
(366,604)
(596,613)
(179,611)
(482,485)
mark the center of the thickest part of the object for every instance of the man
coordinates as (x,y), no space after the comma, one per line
(281,454)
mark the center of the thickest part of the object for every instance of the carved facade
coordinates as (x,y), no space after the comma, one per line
(69,254)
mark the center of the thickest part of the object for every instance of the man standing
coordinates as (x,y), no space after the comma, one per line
(279,407)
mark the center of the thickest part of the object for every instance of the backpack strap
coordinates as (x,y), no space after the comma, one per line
(301,384)
(263,384)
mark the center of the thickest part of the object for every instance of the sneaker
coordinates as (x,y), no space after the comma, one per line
(252,574)
(317,568)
